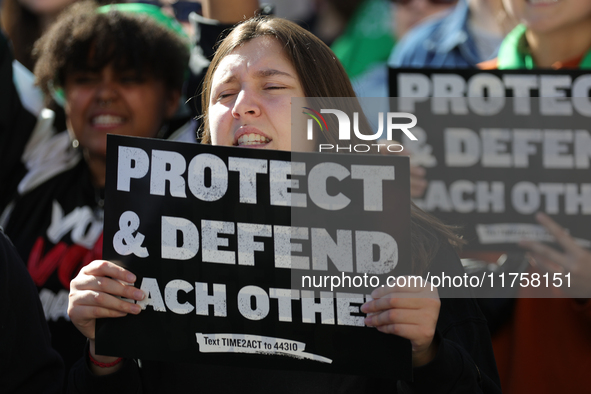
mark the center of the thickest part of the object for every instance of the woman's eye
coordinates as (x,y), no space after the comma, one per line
(274,87)
(84,78)
(224,95)
(131,79)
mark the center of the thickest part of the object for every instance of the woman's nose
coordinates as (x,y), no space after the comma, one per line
(246,104)
(106,93)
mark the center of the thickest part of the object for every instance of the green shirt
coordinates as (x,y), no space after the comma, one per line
(514,53)
(367,39)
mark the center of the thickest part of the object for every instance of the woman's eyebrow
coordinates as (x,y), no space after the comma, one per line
(271,72)
(265,73)
(229,79)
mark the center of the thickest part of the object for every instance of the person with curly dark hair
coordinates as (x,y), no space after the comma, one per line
(120,69)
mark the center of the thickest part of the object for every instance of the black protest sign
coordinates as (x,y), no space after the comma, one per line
(499,146)
(221,237)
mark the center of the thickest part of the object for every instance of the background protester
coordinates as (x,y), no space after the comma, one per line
(549,35)
(218,17)
(24,21)
(409,13)
(29,363)
(16,125)
(367,42)
(470,34)
(121,70)
(367,38)
(451,349)
(179,10)
(546,346)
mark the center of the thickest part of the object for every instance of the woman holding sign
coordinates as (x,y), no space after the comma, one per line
(256,71)
(557,35)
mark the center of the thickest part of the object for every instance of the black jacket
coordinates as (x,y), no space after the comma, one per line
(28,364)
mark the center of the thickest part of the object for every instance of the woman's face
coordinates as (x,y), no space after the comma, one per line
(546,16)
(250,100)
(108,101)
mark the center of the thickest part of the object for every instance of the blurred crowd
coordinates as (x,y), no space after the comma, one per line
(52,82)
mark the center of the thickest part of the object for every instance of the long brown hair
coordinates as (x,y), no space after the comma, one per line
(309,54)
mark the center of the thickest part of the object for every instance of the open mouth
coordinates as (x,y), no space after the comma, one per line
(252,139)
(106,121)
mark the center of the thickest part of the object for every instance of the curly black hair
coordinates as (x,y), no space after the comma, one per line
(84,40)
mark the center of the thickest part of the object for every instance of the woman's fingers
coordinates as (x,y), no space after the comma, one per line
(88,305)
(420,313)
(574,262)
(561,235)
(407,305)
(107,268)
(102,284)
(381,304)
(105,278)
(543,253)
(96,301)
(573,255)
(413,286)
(97,292)
(410,312)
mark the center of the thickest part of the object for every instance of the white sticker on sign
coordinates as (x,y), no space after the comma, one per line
(255,344)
